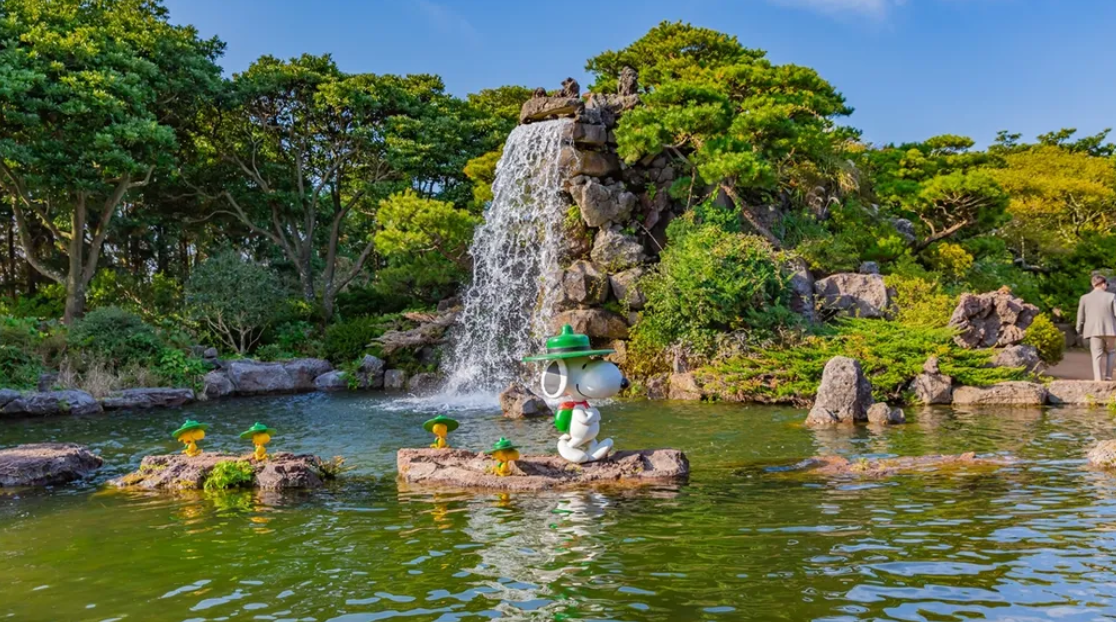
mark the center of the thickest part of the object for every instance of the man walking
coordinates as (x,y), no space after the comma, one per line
(1096,321)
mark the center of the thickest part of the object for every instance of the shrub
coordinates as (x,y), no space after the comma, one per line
(371,300)
(920,302)
(177,369)
(235,299)
(229,474)
(116,336)
(349,340)
(1047,338)
(18,368)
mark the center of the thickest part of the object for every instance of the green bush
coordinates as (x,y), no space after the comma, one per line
(116,336)
(234,299)
(920,302)
(230,474)
(18,368)
(177,369)
(350,339)
(1047,338)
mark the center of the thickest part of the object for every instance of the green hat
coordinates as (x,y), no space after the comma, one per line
(189,425)
(450,424)
(503,443)
(568,345)
(257,428)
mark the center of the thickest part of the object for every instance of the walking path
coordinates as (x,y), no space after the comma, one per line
(1076,365)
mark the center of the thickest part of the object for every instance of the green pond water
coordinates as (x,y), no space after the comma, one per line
(743,540)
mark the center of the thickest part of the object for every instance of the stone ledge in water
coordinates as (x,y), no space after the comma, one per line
(461,468)
(46,464)
(1103,455)
(282,471)
(886,467)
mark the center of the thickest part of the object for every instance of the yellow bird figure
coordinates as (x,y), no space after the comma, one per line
(440,427)
(260,435)
(505,453)
(189,434)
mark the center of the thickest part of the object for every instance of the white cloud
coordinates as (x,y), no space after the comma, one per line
(876,9)
(447,20)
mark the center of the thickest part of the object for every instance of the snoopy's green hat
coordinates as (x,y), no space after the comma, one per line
(188,426)
(450,424)
(503,443)
(568,345)
(258,428)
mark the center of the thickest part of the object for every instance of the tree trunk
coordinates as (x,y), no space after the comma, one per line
(75,288)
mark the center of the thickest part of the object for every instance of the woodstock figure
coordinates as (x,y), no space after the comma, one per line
(571,372)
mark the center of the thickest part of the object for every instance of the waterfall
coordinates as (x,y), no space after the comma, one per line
(516,251)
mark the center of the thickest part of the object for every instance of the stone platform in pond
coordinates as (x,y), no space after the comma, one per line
(887,467)
(46,464)
(283,471)
(464,469)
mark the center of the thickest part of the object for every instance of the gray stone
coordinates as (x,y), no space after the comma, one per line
(601,204)
(332,381)
(994,319)
(303,372)
(46,464)
(658,387)
(1103,455)
(371,372)
(570,88)
(1004,393)
(6,396)
(905,229)
(449,304)
(518,402)
(395,379)
(683,386)
(615,251)
(282,471)
(159,397)
(802,290)
(1080,392)
(882,414)
(628,84)
(933,388)
(843,396)
(854,295)
(542,108)
(210,353)
(217,385)
(932,366)
(869,267)
(423,383)
(597,323)
(69,402)
(586,134)
(1020,355)
(252,378)
(626,289)
(47,381)
(573,162)
(583,283)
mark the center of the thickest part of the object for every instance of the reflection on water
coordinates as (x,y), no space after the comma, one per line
(1031,541)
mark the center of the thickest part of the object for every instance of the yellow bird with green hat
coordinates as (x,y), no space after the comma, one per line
(189,434)
(440,427)
(260,435)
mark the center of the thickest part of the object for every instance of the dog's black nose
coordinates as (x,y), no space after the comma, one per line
(624,384)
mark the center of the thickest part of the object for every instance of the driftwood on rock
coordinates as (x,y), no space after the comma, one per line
(283,471)
(464,469)
(430,331)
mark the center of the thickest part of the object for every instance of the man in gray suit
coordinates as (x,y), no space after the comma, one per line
(1096,321)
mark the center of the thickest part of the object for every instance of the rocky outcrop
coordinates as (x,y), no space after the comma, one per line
(331,381)
(615,251)
(683,386)
(1080,392)
(216,384)
(995,319)
(574,162)
(370,373)
(601,204)
(518,402)
(253,378)
(1102,455)
(841,466)
(882,414)
(423,383)
(626,288)
(597,323)
(282,471)
(69,402)
(932,386)
(1020,355)
(802,290)
(463,469)
(7,396)
(628,83)
(658,387)
(583,284)
(395,380)
(543,108)
(1002,394)
(853,295)
(46,464)
(139,399)
(843,396)
(593,135)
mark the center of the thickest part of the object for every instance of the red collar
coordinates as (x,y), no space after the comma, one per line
(571,405)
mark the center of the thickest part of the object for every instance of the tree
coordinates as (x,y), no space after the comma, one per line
(234,298)
(91,93)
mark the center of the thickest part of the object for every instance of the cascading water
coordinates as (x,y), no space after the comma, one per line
(507,308)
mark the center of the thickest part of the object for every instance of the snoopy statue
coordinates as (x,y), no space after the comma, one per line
(571,372)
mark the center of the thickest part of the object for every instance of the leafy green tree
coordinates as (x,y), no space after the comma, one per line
(235,299)
(91,95)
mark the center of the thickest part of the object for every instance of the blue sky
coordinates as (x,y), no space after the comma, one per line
(910,68)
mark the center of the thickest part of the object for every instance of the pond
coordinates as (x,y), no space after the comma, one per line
(742,541)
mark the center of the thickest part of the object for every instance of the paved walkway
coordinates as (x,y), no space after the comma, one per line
(1076,365)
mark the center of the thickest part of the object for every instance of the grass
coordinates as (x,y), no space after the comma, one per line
(230,474)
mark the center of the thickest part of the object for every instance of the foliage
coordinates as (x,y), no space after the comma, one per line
(175,368)
(119,337)
(332,468)
(1047,338)
(950,259)
(920,302)
(233,298)
(154,298)
(352,339)
(230,474)
(19,369)
(481,170)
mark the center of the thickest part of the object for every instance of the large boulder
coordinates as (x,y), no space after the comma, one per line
(573,162)
(932,386)
(601,204)
(802,290)
(597,323)
(423,383)
(683,386)
(331,381)
(303,372)
(995,319)
(370,373)
(582,283)
(615,251)
(1080,392)
(1002,394)
(216,384)
(133,399)
(283,471)
(69,402)
(254,378)
(882,414)
(854,295)
(843,396)
(395,380)
(518,402)
(626,289)
(542,108)
(1019,355)
(1103,455)
(7,396)
(585,134)
(46,464)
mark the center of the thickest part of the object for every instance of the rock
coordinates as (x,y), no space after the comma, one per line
(933,388)
(597,323)
(683,386)
(583,283)
(886,467)
(303,372)
(7,396)
(518,402)
(843,396)
(423,383)
(47,381)
(217,385)
(1102,455)
(626,289)
(882,414)
(573,162)
(905,229)
(370,373)
(542,108)
(461,468)
(283,471)
(331,381)
(869,267)
(802,290)
(618,358)
(601,204)
(628,84)
(1004,393)
(932,366)
(69,402)
(449,304)
(395,379)
(615,251)
(585,134)
(658,387)
(46,464)
(995,319)
(134,399)
(1080,392)
(855,295)
(570,88)
(1023,356)
(210,354)
(252,378)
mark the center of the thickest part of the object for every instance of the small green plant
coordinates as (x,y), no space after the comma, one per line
(229,474)
(332,468)
(1047,339)
(177,369)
